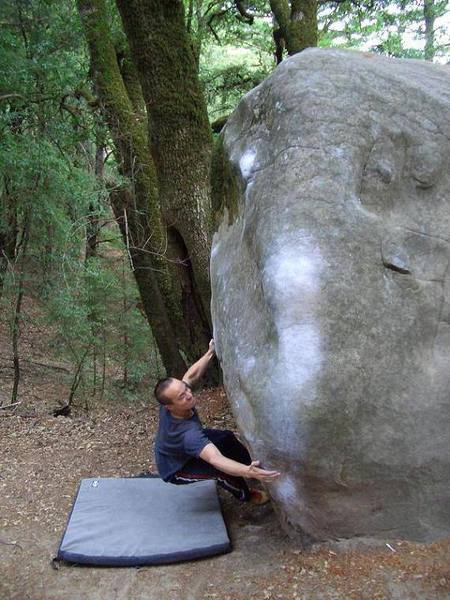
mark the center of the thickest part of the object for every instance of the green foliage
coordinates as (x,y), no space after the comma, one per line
(227,74)
(48,179)
(235,55)
(395,28)
(94,317)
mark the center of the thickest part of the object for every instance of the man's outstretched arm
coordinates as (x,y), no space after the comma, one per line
(195,373)
(213,456)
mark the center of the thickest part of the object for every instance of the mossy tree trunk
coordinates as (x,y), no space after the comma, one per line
(93,225)
(136,205)
(297,25)
(180,144)
(429,18)
(8,229)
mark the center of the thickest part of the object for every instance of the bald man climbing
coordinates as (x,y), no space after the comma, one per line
(186,452)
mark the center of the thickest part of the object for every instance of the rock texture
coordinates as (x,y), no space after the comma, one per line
(331,290)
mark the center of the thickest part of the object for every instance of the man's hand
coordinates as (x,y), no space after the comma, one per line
(212,347)
(255,472)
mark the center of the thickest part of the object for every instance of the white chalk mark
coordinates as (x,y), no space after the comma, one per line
(246,163)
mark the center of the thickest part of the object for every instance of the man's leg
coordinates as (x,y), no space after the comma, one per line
(229,445)
(197,469)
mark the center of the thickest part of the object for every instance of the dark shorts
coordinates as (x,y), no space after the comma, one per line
(197,469)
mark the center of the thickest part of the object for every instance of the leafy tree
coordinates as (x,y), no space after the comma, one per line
(400,29)
(297,25)
(54,206)
(237,54)
(135,204)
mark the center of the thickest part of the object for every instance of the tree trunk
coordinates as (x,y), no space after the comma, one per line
(93,224)
(126,345)
(136,207)
(180,143)
(297,24)
(8,231)
(429,16)
(93,228)
(18,308)
(152,300)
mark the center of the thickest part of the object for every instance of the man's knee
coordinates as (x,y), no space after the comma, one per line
(229,433)
(217,435)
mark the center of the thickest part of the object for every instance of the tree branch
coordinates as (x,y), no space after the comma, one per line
(12,95)
(9,405)
(84,92)
(247,17)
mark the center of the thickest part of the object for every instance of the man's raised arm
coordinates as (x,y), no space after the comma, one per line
(195,373)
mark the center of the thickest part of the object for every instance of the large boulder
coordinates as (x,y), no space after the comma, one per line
(331,290)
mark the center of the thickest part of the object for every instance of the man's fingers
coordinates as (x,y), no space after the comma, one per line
(271,475)
(262,474)
(268,473)
(266,479)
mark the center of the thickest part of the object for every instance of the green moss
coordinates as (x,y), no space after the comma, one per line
(180,139)
(180,135)
(302,32)
(298,23)
(140,200)
(224,188)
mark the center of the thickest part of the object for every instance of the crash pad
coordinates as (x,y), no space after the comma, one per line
(143,521)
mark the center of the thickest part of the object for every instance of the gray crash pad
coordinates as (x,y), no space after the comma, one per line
(143,521)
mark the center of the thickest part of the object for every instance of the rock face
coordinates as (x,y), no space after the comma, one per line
(331,291)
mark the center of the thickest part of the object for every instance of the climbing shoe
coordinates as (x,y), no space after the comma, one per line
(259,497)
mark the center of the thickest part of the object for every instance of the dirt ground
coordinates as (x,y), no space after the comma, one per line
(43,458)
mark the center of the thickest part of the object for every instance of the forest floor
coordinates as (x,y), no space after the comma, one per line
(43,458)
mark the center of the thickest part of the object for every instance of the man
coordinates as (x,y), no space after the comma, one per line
(186,452)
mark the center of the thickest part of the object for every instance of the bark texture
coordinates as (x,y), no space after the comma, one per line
(297,22)
(8,231)
(136,207)
(429,17)
(180,142)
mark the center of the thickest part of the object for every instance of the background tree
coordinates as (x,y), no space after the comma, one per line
(135,202)
(415,29)
(52,196)
(297,25)
(180,140)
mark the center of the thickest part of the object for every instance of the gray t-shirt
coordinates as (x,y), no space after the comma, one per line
(178,440)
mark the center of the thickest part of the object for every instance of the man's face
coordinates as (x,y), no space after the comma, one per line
(180,396)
